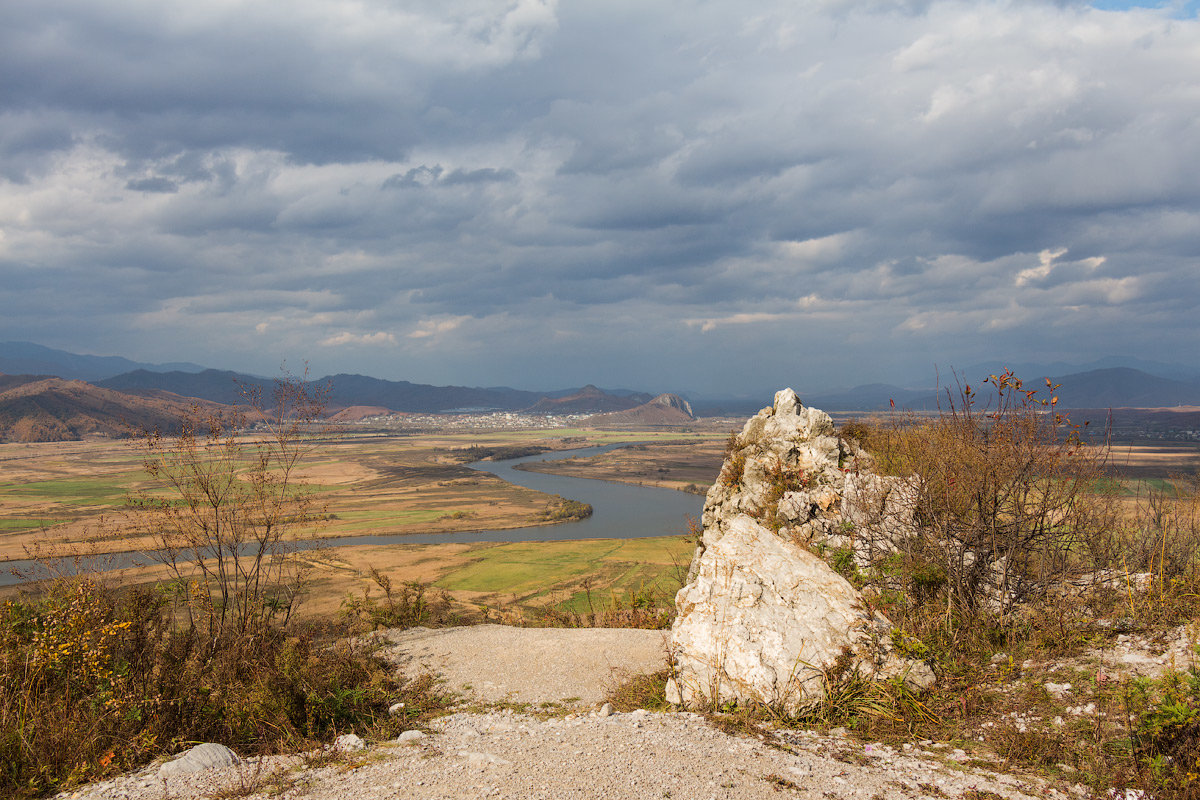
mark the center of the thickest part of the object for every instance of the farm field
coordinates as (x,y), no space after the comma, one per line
(73,494)
(70,498)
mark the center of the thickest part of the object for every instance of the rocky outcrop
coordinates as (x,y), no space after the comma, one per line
(763,617)
(666,409)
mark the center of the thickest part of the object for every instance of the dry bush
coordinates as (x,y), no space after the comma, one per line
(226,494)
(1003,498)
(98,680)
(410,605)
(733,469)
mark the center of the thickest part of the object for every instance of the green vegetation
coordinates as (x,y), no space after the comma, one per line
(26,524)
(560,509)
(527,570)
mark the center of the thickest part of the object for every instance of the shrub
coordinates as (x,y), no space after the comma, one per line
(734,465)
(1003,499)
(406,606)
(560,509)
(227,495)
(98,680)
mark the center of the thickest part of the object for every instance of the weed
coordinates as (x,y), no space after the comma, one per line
(406,606)
(779,782)
(646,691)
(254,780)
(734,468)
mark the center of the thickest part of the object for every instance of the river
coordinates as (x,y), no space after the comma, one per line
(619,511)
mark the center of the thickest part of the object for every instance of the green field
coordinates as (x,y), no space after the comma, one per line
(531,570)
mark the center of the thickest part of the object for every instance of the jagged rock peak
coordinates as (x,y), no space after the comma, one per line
(786,402)
(674,401)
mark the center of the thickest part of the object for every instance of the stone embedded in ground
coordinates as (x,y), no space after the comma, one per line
(763,618)
(410,736)
(349,743)
(200,758)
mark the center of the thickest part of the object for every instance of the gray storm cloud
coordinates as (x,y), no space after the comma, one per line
(650,194)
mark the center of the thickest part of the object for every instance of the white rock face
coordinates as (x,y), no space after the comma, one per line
(200,758)
(761,620)
(762,617)
(788,471)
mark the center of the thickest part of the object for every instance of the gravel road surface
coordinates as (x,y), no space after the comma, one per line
(503,753)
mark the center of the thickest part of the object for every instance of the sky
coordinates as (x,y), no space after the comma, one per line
(708,197)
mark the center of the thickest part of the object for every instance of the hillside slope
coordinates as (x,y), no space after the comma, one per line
(666,409)
(588,400)
(52,410)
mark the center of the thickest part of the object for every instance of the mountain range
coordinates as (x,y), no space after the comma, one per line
(27,358)
(43,396)
(36,408)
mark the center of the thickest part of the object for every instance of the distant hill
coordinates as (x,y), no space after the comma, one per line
(53,409)
(666,409)
(359,413)
(588,400)
(1124,387)
(13,381)
(1031,371)
(360,390)
(218,386)
(345,391)
(1114,387)
(29,358)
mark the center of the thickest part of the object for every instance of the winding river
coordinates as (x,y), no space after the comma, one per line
(619,511)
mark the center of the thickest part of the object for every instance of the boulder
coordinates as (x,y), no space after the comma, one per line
(200,758)
(763,618)
(349,743)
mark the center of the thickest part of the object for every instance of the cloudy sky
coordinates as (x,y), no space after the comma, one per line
(659,195)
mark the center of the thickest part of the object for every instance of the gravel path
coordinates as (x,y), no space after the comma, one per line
(639,755)
(495,663)
(506,754)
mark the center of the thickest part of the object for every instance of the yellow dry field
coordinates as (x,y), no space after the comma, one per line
(68,496)
(71,498)
(1154,461)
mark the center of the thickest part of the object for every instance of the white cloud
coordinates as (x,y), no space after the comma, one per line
(428,328)
(345,338)
(1046,260)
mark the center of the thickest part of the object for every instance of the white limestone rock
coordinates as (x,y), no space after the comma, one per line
(788,469)
(762,616)
(349,743)
(200,758)
(761,621)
